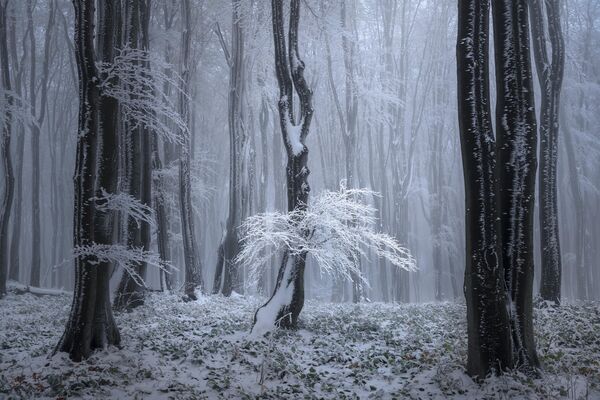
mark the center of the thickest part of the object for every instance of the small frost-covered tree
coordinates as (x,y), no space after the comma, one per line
(335,229)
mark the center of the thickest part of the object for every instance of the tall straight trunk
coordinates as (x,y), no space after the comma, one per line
(34,274)
(193,267)
(578,209)
(489,339)
(278,186)
(15,237)
(160,206)
(130,293)
(91,325)
(146,139)
(517,162)
(35,135)
(350,128)
(226,276)
(5,158)
(382,267)
(550,76)
(263,120)
(284,306)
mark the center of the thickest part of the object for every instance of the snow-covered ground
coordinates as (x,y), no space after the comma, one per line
(202,350)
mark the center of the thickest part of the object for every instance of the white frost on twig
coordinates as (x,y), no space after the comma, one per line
(336,230)
(126,204)
(136,78)
(123,256)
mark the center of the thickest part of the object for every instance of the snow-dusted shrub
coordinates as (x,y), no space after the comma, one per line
(336,229)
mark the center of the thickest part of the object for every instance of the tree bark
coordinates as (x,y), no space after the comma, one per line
(284,306)
(193,266)
(550,76)
(5,158)
(489,339)
(15,237)
(130,293)
(91,324)
(226,276)
(517,162)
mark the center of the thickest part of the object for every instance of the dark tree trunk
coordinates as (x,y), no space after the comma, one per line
(550,76)
(193,267)
(91,324)
(284,306)
(8,193)
(162,216)
(146,139)
(226,276)
(130,293)
(489,339)
(517,163)
(160,206)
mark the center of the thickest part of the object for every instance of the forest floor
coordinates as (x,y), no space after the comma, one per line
(201,349)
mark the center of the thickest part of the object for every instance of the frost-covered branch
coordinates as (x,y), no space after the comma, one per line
(167,182)
(336,230)
(135,79)
(123,256)
(18,109)
(126,204)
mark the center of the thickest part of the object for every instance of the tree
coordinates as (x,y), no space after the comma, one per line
(287,300)
(550,76)
(336,230)
(350,127)
(16,214)
(36,131)
(499,174)
(516,142)
(130,292)
(489,344)
(193,267)
(226,276)
(91,325)
(8,178)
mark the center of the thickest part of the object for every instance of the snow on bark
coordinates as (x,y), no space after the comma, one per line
(550,77)
(267,318)
(487,310)
(297,153)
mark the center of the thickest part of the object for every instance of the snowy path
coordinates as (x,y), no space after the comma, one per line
(200,350)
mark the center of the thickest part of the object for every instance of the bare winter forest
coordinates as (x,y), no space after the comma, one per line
(329,199)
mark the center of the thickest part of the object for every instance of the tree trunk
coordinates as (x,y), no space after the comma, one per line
(91,324)
(349,129)
(517,162)
(15,238)
(550,76)
(193,267)
(5,158)
(130,293)
(226,276)
(489,340)
(284,306)
(578,209)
